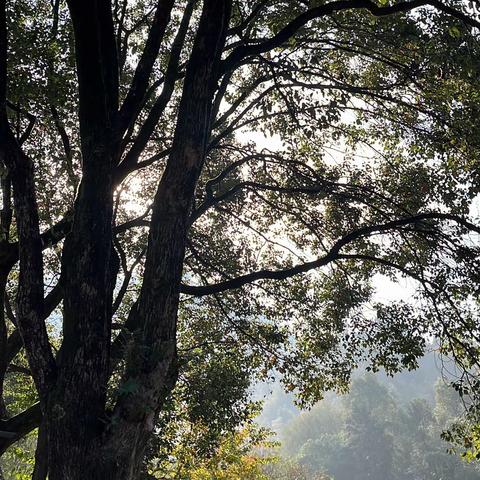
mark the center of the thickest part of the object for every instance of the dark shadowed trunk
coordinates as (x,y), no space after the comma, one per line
(3,344)
(83,441)
(151,364)
(75,415)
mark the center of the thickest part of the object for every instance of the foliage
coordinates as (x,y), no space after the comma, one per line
(162,260)
(369,434)
(236,457)
(18,462)
(290,470)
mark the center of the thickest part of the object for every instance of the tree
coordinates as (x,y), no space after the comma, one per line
(241,454)
(377,437)
(289,470)
(370,431)
(108,108)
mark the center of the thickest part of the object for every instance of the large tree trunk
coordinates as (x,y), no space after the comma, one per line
(75,411)
(83,441)
(4,360)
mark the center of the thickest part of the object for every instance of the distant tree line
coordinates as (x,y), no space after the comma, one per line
(370,434)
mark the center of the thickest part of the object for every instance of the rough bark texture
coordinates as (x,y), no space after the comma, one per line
(3,345)
(151,365)
(80,446)
(76,405)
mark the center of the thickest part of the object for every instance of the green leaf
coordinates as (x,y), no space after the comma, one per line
(454,32)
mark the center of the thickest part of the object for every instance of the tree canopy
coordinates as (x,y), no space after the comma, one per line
(198,193)
(370,433)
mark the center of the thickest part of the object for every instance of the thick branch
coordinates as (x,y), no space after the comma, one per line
(17,427)
(161,102)
(154,316)
(97,71)
(333,254)
(139,84)
(30,283)
(14,345)
(241,53)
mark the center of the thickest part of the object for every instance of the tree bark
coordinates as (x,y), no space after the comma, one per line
(75,413)
(40,470)
(83,442)
(3,344)
(151,367)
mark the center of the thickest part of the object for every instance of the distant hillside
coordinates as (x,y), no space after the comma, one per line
(279,407)
(383,429)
